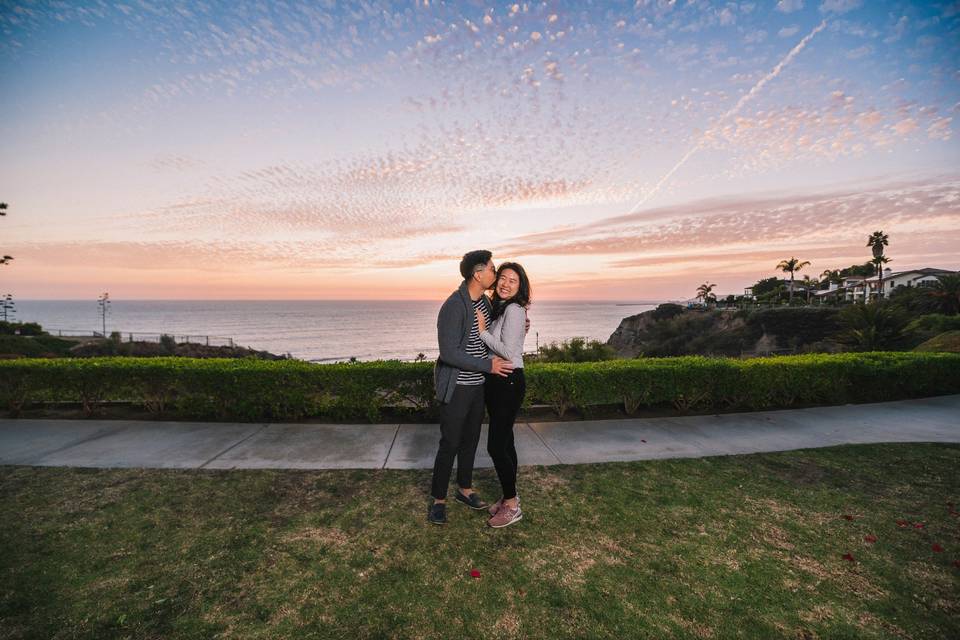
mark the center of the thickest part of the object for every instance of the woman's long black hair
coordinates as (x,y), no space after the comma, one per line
(522,296)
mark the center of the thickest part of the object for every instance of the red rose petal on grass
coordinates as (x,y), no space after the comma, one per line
(848,557)
(902,523)
(847,516)
(956,563)
(918,525)
(474,573)
(936,548)
(870,538)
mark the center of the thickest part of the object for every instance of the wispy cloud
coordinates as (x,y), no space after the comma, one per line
(840,6)
(172,162)
(733,111)
(816,218)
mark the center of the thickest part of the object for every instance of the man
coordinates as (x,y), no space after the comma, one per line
(458,379)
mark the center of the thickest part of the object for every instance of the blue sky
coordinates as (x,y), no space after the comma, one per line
(619,150)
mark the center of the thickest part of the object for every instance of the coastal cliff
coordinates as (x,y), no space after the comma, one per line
(672,330)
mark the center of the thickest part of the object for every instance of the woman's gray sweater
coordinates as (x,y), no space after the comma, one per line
(505,336)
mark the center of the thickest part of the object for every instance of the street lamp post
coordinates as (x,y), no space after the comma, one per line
(104,303)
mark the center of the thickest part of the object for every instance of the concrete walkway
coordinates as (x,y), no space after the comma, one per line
(204,445)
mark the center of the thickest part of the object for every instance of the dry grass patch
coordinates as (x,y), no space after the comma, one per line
(508,624)
(330,536)
(696,629)
(542,479)
(818,613)
(774,536)
(849,578)
(567,563)
(785,512)
(726,558)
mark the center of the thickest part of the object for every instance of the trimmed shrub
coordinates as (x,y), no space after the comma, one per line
(576,350)
(261,390)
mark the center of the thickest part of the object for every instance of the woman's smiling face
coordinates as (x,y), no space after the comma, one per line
(508,284)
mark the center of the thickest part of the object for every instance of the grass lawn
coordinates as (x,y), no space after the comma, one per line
(731,547)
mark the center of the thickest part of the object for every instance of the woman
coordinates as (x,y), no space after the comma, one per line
(504,395)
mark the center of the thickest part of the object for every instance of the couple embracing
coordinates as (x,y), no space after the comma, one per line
(480,365)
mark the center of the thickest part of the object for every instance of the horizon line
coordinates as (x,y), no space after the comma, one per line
(609,300)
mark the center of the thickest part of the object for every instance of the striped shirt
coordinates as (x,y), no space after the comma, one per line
(475,347)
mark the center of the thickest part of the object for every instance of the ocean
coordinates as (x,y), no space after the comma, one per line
(319,331)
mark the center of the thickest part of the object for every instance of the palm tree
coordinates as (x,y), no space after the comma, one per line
(790,266)
(882,260)
(877,241)
(810,284)
(831,275)
(704,292)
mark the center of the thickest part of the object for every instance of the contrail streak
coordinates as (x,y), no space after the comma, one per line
(729,114)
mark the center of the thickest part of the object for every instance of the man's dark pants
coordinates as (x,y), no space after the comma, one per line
(459,435)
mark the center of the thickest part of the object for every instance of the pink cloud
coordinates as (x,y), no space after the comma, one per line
(730,221)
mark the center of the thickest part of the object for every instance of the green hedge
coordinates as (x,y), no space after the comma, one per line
(258,390)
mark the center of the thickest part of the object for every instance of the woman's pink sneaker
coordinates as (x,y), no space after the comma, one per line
(505,517)
(496,505)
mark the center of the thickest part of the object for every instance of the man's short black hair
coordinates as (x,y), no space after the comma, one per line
(470,261)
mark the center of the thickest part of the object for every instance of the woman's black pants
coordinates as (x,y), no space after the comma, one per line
(503,397)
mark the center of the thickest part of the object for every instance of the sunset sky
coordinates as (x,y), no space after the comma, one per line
(619,150)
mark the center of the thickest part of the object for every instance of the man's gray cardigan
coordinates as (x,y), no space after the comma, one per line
(453,332)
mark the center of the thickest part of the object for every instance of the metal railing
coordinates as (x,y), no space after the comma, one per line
(132,336)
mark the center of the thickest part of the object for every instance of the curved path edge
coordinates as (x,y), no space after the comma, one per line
(203,445)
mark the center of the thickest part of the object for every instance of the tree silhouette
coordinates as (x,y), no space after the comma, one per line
(791,266)
(831,275)
(704,293)
(877,241)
